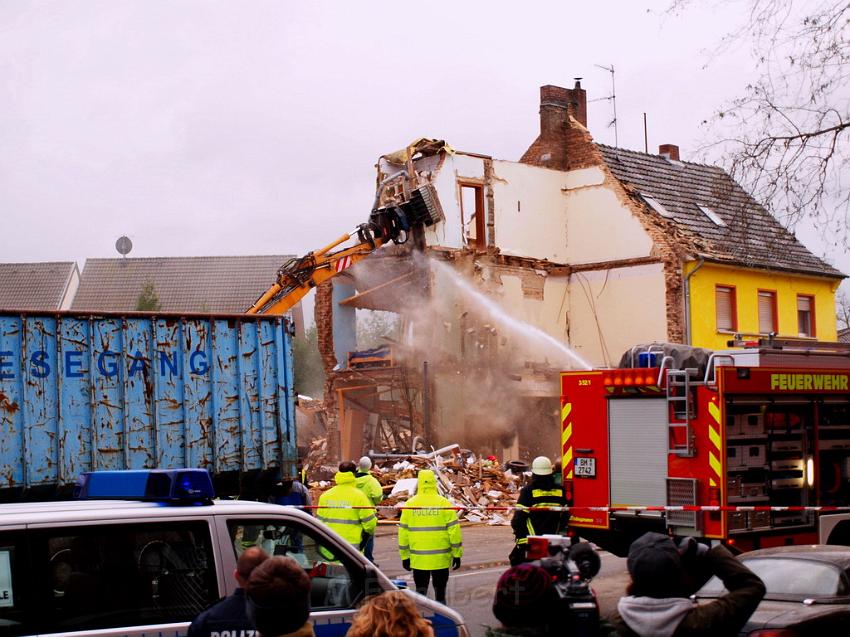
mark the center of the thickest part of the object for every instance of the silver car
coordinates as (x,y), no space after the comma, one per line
(808,591)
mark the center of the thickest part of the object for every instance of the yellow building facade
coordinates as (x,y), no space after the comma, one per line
(728,300)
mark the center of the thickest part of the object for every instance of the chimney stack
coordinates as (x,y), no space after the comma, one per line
(669,151)
(554,105)
(578,103)
(563,144)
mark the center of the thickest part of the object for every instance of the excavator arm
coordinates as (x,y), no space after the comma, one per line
(299,275)
(414,207)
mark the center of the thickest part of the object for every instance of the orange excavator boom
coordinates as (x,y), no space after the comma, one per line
(418,207)
(299,275)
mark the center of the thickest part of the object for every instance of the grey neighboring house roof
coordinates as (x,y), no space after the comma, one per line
(182,284)
(844,335)
(35,286)
(752,236)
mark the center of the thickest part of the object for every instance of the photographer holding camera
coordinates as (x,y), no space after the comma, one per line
(550,596)
(664,576)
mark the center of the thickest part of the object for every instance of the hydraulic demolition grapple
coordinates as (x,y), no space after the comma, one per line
(393,219)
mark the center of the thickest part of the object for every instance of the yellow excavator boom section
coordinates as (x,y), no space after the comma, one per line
(298,276)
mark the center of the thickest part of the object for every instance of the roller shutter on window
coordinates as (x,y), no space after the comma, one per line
(767,312)
(725,300)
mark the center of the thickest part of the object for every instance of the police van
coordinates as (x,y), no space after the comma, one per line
(143,552)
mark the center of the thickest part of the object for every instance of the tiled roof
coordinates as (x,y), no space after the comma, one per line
(752,236)
(844,335)
(34,286)
(182,284)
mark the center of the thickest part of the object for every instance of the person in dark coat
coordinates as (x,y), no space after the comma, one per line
(663,578)
(531,516)
(229,614)
(292,492)
(525,603)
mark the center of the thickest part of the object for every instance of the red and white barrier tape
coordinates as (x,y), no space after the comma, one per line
(605,509)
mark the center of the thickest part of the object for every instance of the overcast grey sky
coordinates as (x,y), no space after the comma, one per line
(199,127)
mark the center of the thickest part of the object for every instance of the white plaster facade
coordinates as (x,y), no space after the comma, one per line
(573,219)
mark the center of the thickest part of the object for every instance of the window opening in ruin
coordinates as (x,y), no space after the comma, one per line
(726,308)
(472,215)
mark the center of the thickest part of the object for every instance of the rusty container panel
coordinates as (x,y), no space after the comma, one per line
(80,393)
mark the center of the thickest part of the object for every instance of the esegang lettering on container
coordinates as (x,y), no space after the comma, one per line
(75,364)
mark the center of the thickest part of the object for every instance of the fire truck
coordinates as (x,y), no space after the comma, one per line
(749,446)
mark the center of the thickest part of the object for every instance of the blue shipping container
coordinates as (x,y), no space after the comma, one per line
(134,391)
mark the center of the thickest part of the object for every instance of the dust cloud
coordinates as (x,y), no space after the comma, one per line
(493,377)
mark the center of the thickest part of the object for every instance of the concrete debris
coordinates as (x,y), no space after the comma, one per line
(478,486)
(317,463)
(404,488)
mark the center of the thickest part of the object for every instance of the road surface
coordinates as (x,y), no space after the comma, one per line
(472,587)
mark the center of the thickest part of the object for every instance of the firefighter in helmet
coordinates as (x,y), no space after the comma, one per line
(531,516)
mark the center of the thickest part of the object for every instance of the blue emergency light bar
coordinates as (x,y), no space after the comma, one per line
(172,486)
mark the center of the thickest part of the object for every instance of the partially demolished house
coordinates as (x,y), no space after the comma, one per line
(577,245)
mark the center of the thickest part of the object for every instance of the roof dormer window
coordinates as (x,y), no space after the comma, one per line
(656,206)
(715,218)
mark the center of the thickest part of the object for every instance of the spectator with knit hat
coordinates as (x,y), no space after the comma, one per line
(524,603)
(664,576)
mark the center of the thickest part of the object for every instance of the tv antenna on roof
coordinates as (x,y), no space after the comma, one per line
(124,245)
(612,98)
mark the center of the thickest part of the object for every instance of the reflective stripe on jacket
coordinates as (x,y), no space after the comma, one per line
(336,510)
(541,493)
(429,538)
(369,485)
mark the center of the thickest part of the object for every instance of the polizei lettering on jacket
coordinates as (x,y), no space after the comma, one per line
(809,382)
(75,364)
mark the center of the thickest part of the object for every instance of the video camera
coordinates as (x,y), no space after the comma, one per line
(572,566)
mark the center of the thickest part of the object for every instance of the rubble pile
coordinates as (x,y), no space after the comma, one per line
(316,462)
(478,485)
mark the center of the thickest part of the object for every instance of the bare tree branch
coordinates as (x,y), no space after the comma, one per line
(791,142)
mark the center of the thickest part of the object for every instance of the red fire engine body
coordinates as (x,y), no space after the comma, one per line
(753,429)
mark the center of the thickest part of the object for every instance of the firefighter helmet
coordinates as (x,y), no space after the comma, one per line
(541,466)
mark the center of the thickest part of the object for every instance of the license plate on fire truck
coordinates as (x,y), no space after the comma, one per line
(585,468)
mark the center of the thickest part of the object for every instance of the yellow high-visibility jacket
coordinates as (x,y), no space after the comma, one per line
(429,538)
(335,510)
(369,485)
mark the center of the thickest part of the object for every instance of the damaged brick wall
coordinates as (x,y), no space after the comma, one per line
(490,202)
(323,314)
(532,282)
